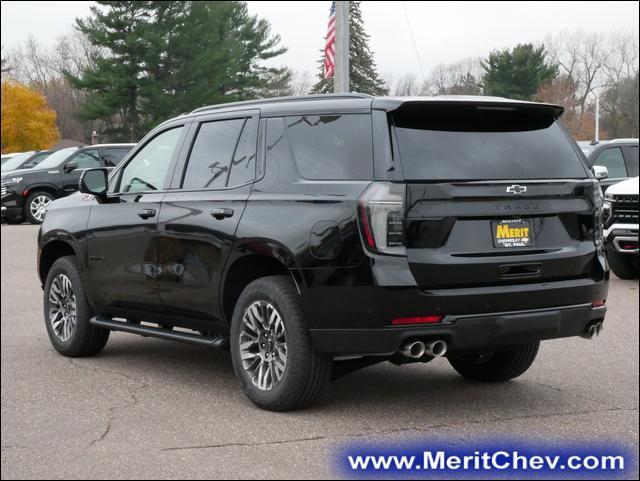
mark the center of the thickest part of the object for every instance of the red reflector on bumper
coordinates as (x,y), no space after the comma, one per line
(404,321)
(598,303)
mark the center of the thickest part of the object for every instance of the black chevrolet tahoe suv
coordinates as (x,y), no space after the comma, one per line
(27,192)
(316,235)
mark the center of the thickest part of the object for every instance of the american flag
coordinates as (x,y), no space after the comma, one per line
(330,46)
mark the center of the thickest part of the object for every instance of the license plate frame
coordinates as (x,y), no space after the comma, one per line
(512,233)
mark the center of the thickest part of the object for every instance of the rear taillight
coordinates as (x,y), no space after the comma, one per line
(381,213)
(598,215)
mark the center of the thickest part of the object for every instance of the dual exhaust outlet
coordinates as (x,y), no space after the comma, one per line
(593,330)
(417,349)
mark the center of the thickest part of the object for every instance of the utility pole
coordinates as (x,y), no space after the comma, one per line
(597,137)
(341,75)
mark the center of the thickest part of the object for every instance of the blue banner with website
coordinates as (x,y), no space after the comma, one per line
(507,459)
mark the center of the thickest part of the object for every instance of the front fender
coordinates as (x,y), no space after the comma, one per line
(66,221)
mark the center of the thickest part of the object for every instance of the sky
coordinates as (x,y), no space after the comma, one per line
(444,32)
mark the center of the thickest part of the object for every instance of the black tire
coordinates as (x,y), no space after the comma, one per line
(85,340)
(498,366)
(30,200)
(306,371)
(625,266)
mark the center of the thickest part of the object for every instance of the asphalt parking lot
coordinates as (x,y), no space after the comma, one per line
(149,408)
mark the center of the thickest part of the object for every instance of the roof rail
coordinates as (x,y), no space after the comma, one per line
(291,98)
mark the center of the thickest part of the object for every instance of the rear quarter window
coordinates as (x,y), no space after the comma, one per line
(331,147)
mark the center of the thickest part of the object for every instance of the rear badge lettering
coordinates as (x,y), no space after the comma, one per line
(517,207)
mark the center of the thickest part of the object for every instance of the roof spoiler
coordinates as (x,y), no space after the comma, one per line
(420,105)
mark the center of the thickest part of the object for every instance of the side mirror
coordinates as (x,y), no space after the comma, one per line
(70,167)
(94,182)
(600,172)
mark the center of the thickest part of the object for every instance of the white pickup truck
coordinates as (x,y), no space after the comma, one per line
(621,228)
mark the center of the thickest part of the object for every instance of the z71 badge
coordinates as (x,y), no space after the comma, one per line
(512,233)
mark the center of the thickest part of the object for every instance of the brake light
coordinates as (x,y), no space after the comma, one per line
(406,321)
(381,212)
(599,303)
(364,220)
(598,215)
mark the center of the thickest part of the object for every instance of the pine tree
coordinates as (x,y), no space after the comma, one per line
(519,73)
(363,76)
(216,55)
(113,84)
(163,58)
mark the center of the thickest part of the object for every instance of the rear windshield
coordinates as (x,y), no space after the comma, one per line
(472,144)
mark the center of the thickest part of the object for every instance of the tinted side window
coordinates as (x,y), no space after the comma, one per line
(223,155)
(633,160)
(243,165)
(112,157)
(280,167)
(148,169)
(613,160)
(36,159)
(89,159)
(332,147)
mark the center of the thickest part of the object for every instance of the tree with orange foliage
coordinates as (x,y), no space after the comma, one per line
(563,91)
(27,121)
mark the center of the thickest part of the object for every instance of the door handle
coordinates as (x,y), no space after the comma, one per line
(146,213)
(222,213)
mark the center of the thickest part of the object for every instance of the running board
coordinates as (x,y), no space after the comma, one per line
(221,342)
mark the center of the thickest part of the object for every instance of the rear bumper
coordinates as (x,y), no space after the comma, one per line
(623,237)
(11,212)
(464,332)
(11,206)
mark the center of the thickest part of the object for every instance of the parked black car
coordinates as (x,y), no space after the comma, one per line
(326,233)
(619,157)
(27,193)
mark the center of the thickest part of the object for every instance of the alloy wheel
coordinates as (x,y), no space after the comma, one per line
(38,207)
(263,345)
(62,307)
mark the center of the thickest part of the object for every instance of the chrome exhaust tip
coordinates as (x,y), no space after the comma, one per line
(436,348)
(413,350)
(599,327)
(593,330)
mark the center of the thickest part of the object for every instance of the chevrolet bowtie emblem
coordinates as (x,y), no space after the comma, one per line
(516,189)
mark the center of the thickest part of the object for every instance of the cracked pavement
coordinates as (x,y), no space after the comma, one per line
(148,408)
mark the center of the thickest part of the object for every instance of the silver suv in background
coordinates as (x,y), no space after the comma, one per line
(619,157)
(621,228)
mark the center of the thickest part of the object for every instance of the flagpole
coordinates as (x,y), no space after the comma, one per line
(341,75)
